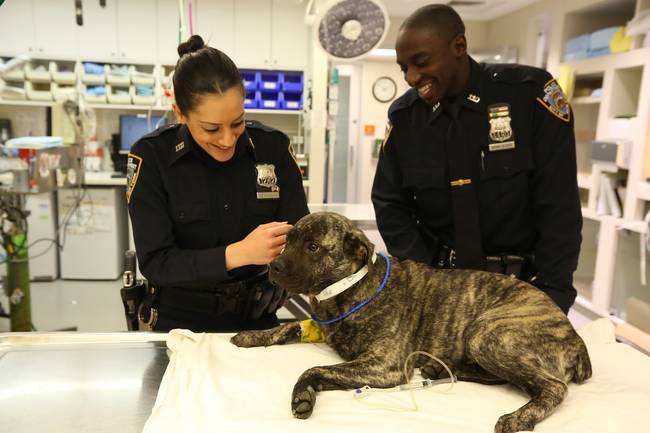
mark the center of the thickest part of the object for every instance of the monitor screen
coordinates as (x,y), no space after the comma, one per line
(132,127)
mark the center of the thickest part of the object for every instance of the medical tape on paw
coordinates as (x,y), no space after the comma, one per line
(311,332)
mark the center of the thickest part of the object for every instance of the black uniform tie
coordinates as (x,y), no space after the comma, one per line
(467,229)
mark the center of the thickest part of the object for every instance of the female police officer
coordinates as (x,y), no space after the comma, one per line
(211,200)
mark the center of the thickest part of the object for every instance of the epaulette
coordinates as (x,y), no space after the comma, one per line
(165,128)
(514,73)
(406,100)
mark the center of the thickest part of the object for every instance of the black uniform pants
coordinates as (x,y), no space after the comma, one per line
(170,318)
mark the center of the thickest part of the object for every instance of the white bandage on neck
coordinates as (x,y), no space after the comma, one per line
(344,284)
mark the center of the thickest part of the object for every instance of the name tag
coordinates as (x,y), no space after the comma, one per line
(495,147)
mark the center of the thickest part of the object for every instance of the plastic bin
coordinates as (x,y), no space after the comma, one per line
(16,74)
(269,80)
(64,92)
(117,94)
(95,93)
(141,94)
(251,79)
(93,73)
(292,82)
(63,72)
(252,99)
(38,71)
(39,91)
(14,90)
(118,74)
(576,48)
(599,41)
(270,99)
(291,101)
(142,74)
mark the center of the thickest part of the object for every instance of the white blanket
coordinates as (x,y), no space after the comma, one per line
(212,386)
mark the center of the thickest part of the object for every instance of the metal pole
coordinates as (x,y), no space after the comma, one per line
(18,290)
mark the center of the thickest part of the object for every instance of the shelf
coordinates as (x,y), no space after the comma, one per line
(26,103)
(127,107)
(583,100)
(262,111)
(633,226)
(597,65)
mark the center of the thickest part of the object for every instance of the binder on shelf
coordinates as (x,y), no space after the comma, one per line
(63,72)
(609,202)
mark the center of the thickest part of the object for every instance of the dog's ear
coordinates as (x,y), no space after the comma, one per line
(357,246)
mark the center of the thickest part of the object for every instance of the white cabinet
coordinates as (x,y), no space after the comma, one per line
(288,29)
(55,29)
(215,23)
(15,17)
(167,32)
(38,28)
(253,30)
(136,31)
(270,34)
(98,35)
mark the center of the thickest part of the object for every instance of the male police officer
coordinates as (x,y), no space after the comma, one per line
(478,169)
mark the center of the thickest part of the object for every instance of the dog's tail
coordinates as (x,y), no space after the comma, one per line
(582,370)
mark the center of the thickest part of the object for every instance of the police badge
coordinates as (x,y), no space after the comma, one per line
(133,165)
(501,136)
(555,101)
(267,187)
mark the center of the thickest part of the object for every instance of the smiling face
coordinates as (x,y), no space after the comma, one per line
(436,66)
(216,121)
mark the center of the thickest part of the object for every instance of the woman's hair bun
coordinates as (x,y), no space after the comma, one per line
(194,43)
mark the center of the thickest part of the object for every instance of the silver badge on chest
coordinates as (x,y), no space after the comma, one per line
(501,134)
(267,182)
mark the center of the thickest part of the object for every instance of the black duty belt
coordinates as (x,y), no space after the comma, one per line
(232,297)
(507,264)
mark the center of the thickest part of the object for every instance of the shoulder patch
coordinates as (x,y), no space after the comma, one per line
(555,101)
(133,165)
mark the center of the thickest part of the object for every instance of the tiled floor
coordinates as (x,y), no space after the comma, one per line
(95,306)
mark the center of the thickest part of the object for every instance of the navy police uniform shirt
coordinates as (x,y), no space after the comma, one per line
(186,207)
(521,141)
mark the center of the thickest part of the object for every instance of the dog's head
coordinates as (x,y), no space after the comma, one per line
(321,249)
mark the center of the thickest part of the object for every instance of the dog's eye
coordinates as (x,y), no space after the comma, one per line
(312,247)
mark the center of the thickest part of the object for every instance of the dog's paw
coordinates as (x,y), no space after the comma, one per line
(248,339)
(511,423)
(303,399)
(433,371)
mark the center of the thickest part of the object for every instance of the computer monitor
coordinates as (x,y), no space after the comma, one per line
(134,126)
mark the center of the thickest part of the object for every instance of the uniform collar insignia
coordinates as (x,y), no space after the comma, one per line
(474,98)
(435,107)
(180,146)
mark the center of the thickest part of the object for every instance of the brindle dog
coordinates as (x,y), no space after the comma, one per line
(488,328)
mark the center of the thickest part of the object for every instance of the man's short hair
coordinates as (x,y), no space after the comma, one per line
(438,18)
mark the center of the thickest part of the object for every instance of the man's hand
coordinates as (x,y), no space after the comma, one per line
(260,247)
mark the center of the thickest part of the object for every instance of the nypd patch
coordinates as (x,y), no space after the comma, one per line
(555,101)
(133,165)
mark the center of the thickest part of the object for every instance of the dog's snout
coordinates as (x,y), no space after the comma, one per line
(277,266)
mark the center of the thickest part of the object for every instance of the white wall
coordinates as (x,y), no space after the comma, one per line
(373,113)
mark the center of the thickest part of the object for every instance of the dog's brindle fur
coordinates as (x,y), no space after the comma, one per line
(488,328)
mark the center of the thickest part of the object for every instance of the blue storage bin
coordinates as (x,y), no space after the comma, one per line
(252,99)
(269,99)
(292,82)
(251,79)
(291,101)
(577,48)
(269,80)
(599,41)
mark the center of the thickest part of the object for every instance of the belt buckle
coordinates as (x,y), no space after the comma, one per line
(452,258)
